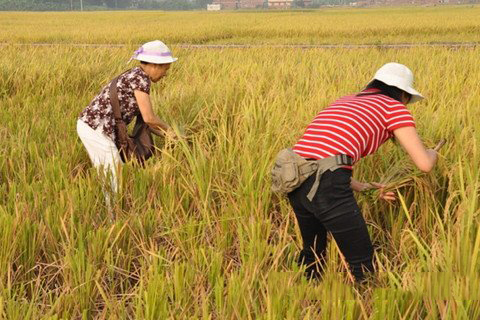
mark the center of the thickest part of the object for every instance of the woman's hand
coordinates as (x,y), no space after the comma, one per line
(386,196)
(170,134)
(366,187)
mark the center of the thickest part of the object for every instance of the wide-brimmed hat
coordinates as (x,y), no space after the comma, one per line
(154,52)
(399,76)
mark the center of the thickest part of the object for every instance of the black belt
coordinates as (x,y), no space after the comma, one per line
(342,160)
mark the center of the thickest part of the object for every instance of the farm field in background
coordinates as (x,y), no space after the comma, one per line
(198,233)
(327,26)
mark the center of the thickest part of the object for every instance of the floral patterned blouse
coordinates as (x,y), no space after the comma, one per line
(99,112)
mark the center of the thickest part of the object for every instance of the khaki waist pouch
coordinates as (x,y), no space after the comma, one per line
(291,170)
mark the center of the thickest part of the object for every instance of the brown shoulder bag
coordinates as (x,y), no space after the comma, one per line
(139,145)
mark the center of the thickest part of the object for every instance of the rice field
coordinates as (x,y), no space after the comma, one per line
(326,26)
(198,233)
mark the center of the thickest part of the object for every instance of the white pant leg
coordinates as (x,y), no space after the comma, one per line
(102,151)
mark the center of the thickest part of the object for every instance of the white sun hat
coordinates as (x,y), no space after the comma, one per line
(399,76)
(154,52)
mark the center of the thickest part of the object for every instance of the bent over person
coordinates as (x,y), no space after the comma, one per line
(96,125)
(339,136)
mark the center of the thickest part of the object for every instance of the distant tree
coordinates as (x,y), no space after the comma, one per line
(202,3)
(118,4)
(98,3)
(299,4)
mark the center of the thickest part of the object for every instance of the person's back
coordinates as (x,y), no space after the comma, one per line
(355,125)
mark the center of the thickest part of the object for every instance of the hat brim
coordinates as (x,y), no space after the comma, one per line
(155,59)
(416,96)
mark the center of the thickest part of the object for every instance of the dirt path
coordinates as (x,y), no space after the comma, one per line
(453,45)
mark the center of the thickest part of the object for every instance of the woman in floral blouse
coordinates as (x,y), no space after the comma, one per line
(96,123)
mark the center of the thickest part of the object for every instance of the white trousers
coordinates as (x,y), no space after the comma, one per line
(102,152)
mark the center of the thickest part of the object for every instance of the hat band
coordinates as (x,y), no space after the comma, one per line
(141,50)
(154,53)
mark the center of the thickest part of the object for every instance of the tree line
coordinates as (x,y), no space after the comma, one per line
(68,5)
(77,5)
(88,5)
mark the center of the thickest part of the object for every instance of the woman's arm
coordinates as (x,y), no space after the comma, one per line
(158,126)
(423,158)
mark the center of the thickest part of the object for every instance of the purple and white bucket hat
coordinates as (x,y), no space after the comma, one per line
(154,52)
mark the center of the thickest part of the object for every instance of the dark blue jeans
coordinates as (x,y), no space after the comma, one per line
(335,210)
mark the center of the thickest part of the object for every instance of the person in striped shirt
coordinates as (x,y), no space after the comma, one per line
(354,126)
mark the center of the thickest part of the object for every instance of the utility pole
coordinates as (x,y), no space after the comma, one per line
(81,5)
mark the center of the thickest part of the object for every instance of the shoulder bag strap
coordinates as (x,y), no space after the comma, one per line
(120,125)
(114,100)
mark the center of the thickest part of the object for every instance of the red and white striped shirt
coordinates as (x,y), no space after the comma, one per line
(353,125)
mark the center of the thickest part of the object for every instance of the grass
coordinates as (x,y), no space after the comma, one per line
(198,233)
(326,26)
